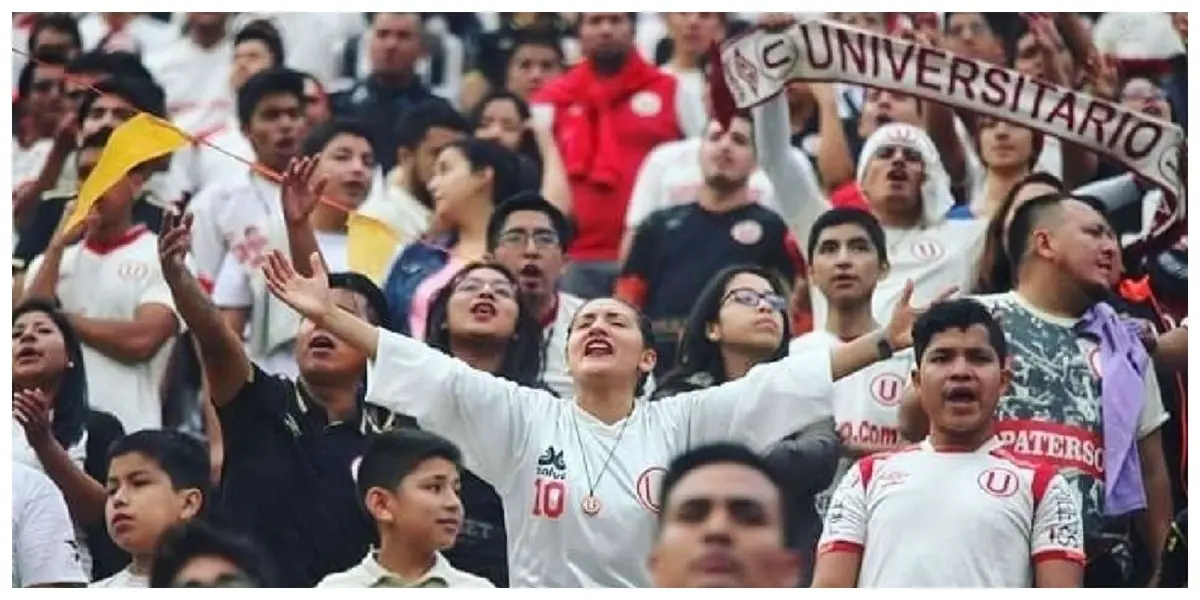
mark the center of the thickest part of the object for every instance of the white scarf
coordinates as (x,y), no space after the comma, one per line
(758,65)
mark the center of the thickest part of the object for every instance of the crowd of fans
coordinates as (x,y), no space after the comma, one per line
(848,338)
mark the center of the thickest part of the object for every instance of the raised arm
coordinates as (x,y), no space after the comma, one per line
(85,496)
(226,367)
(555,187)
(490,418)
(299,195)
(787,177)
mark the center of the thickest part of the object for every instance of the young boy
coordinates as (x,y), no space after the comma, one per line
(156,479)
(409,481)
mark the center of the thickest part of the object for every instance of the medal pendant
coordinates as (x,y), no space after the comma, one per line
(591,505)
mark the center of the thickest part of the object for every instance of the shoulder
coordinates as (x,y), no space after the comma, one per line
(813,340)
(349,578)
(678,150)
(463,579)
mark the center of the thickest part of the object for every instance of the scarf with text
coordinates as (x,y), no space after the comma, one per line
(756,66)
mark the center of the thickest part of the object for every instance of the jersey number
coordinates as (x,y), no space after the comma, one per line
(549,498)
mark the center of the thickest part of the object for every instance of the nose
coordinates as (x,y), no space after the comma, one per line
(716,526)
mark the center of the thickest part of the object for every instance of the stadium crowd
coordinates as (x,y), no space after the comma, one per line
(516,300)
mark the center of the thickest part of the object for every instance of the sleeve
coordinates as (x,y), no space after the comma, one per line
(232,286)
(1057,522)
(788,179)
(845,527)
(259,405)
(31,271)
(647,195)
(491,419)
(158,292)
(772,401)
(44,547)
(1153,413)
(633,284)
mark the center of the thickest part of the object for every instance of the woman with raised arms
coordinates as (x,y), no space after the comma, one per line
(579,479)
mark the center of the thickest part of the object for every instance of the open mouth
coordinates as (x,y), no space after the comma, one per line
(597,347)
(321,342)
(883,119)
(897,174)
(483,309)
(28,353)
(961,396)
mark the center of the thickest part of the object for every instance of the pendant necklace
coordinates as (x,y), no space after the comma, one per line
(591,504)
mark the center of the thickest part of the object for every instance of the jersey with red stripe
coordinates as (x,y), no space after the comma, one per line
(983,518)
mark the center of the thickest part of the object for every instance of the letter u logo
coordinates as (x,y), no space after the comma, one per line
(998,482)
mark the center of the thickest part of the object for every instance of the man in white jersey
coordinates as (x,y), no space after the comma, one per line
(113,291)
(848,256)
(45,553)
(955,510)
(724,523)
(578,479)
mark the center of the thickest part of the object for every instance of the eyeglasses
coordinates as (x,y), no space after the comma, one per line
(519,238)
(752,298)
(475,285)
(889,152)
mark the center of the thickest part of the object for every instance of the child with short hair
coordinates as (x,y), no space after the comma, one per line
(409,482)
(157,479)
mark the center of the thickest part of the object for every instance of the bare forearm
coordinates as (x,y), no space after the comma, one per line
(940,121)
(855,355)
(85,496)
(1155,522)
(45,281)
(555,187)
(834,162)
(302,243)
(129,342)
(352,330)
(1171,352)
(224,361)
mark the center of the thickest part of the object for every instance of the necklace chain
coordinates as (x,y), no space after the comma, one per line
(611,451)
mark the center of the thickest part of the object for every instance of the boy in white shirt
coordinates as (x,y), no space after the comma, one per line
(409,480)
(157,479)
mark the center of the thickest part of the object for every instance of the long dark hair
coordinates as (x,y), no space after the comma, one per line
(994,274)
(528,146)
(698,362)
(522,362)
(70,403)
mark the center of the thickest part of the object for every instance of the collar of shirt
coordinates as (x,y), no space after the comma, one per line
(371,418)
(436,577)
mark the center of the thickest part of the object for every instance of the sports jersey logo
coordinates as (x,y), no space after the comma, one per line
(553,459)
(649,486)
(998,482)
(747,232)
(927,250)
(646,104)
(132,270)
(886,389)
(549,487)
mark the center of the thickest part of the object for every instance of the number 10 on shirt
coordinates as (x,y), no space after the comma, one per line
(549,497)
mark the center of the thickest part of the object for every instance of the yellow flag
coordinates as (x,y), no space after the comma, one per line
(370,244)
(142,138)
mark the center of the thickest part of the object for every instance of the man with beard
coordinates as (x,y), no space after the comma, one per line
(724,523)
(676,250)
(529,236)
(607,114)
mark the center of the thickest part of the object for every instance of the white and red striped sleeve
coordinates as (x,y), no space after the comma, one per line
(1057,519)
(845,527)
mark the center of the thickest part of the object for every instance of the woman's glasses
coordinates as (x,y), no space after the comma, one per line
(752,298)
(502,288)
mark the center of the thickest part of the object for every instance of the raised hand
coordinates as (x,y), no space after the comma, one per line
(899,328)
(174,241)
(309,296)
(64,237)
(31,409)
(298,191)
(776,22)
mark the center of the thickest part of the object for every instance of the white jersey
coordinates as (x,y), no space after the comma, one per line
(543,455)
(232,216)
(43,539)
(113,283)
(983,518)
(671,176)
(195,81)
(123,579)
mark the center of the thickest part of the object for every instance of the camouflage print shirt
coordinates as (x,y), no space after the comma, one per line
(1051,410)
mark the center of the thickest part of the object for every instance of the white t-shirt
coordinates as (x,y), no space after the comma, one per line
(201,166)
(43,539)
(113,283)
(195,81)
(554,347)
(671,176)
(123,579)
(923,518)
(544,455)
(232,216)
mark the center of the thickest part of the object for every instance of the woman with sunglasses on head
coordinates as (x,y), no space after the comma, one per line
(53,429)
(579,478)
(740,320)
(479,318)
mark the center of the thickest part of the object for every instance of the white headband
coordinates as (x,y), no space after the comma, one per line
(936,197)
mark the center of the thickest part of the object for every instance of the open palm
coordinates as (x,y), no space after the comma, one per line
(899,328)
(298,191)
(309,296)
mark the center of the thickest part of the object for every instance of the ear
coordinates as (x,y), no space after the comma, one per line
(884,269)
(378,503)
(1006,374)
(193,502)
(713,333)
(1042,243)
(403,155)
(915,377)
(648,360)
